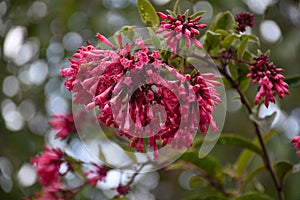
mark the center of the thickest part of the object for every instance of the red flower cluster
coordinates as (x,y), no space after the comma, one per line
(180,28)
(296,141)
(244,19)
(269,79)
(63,124)
(98,78)
(47,165)
(99,174)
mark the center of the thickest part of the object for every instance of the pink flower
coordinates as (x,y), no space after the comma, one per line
(180,28)
(99,174)
(105,40)
(47,165)
(269,79)
(296,141)
(142,59)
(63,124)
(244,19)
(207,98)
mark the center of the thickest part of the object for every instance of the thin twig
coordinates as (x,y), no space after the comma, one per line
(267,160)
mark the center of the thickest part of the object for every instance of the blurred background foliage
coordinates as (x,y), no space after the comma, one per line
(37,37)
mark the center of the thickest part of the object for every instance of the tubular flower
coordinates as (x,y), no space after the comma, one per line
(180,28)
(63,124)
(244,19)
(207,98)
(47,165)
(269,79)
(80,58)
(99,174)
(296,141)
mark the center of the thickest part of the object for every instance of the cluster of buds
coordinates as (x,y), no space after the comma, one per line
(244,19)
(269,78)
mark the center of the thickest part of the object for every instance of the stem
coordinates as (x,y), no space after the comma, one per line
(232,58)
(266,157)
(132,178)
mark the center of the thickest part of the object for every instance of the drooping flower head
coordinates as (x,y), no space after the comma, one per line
(270,81)
(101,81)
(63,124)
(47,165)
(244,19)
(180,28)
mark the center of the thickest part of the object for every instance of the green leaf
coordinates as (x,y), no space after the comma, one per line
(166,54)
(212,40)
(223,32)
(238,141)
(282,169)
(195,180)
(102,155)
(176,8)
(244,84)
(254,196)
(233,70)
(186,14)
(252,38)
(268,52)
(248,56)
(242,47)
(229,40)
(251,175)
(245,157)
(148,13)
(171,13)
(197,14)
(127,31)
(208,164)
(155,40)
(293,81)
(259,53)
(223,20)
